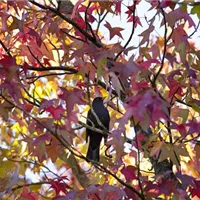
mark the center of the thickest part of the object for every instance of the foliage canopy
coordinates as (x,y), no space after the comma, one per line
(55,58)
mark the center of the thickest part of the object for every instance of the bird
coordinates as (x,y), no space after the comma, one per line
(95,138)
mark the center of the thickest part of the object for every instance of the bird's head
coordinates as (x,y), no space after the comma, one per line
(97,101)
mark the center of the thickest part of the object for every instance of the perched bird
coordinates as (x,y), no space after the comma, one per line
(95,138)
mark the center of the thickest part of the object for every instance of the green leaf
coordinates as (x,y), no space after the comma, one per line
(196,107)
(100,67)
(184,114)
(182,51)
(196,10)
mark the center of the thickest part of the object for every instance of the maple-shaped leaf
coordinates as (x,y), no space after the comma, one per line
(7,62)
(71,97)
(176,15)
(7,182)
(147,64)
(125,70)
(143,103)
(26,194)
(105,191)
(185,179)
(129,172)
(90,10)
(75,8)
(140,141)
(56,112)
(38,146)
(155,150)
(118,5)
(195,191)
(54,150)
(145,34)
(33,33)
(114,31)
(165,3)
(130,194)
(41,138)
(117,141)
(59,186)
(193,127)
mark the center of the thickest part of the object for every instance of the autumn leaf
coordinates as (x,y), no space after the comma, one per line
(56,112)
(58,186)
(195,10)
(26,194)
(197,149)
(72,97)
(129,172)
(155,150)
(55,58)
(114,31)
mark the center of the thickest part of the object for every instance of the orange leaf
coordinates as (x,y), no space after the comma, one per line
(156,148)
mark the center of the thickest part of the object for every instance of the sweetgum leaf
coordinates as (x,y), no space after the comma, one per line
(129,172)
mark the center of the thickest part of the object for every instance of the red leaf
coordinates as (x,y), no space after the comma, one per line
(46,62)
(56,112)
(195,191)
(114,31)
(118,5)
(162,3)
(75,8)
(71,97)
(36,35)
(178,14)
(148,102)
(129,173)
(140,139)
(28,195)
(147,64)
(41,138)
(7,62)
(175,88)
(125,70)
(58,186)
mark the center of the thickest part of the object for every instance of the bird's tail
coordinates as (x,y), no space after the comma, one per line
(93,154)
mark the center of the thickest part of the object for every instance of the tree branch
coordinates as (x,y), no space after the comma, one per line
(132,32)
(72,150)
(165,48)
(70,21)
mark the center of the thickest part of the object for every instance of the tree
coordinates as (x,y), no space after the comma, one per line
(55,59)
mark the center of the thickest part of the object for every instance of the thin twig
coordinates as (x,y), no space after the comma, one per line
(138,162)
(195,30)
(5,48)
(165,48)
(70,21)
(72,150)
(131,35)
